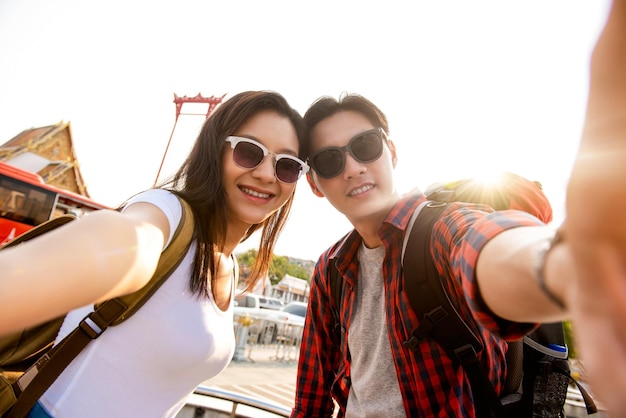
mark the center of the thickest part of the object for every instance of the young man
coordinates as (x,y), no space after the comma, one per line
(491,261)
(498,262)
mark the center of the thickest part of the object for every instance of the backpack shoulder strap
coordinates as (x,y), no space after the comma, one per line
(336,289)
(168,262)
(37,379)
(428,298)
(439,319)
(336,294)
(40,229)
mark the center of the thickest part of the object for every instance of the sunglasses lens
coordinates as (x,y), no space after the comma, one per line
(247,155)
(329,163)
(367,147)
(288,170)
(364,148)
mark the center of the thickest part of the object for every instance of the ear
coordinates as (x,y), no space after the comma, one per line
(313,186)
(394,155)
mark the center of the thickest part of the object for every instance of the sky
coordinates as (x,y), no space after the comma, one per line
(469,87)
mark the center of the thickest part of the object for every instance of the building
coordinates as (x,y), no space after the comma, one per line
(291,288)
(49,152)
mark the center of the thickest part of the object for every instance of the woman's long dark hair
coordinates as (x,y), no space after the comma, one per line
(199,182)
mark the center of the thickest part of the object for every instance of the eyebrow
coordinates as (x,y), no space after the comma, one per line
(283,151)
(379,130)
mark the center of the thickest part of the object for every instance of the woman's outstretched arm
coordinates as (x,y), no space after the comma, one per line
(102,255)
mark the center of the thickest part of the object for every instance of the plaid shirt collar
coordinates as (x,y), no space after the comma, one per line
(395,223)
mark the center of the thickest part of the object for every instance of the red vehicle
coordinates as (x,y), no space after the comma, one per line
(26,201)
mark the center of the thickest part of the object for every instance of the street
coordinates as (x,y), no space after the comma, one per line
(267,373)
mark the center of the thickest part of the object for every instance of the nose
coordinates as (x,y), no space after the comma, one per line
(352,167)
(265,170)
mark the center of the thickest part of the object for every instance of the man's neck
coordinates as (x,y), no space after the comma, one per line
(368,228)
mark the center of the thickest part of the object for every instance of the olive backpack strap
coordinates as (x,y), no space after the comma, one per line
(36,380)
(40,229)
(170,259)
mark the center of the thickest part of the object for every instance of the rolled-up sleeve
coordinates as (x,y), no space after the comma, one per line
(462,235)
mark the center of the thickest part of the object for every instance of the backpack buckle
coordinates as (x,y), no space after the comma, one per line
(429,321)
(89,327)
(466,354)
(426,325)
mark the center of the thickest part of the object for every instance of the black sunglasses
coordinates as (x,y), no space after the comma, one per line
(364,147)
(248,153)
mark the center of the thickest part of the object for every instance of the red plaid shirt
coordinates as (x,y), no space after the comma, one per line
(430,384)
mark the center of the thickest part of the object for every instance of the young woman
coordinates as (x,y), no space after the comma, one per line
(239,177)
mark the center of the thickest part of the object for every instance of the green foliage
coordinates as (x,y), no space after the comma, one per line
(569,339)
(247,259)
(279,266)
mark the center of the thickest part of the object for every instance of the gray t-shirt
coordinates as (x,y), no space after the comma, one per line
(375,391)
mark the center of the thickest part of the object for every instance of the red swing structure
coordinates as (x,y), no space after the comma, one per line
(179,101)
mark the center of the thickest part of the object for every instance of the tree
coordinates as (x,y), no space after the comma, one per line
(245,260)
(279,266)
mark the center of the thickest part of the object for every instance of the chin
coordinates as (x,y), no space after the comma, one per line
(364,211)
(252,220)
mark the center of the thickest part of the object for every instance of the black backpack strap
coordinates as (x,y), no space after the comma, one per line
(590,404)
(37,379)
(336,293)
(439,319)
(336,288)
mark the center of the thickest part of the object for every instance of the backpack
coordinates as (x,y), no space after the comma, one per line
(29,363)
(538,373)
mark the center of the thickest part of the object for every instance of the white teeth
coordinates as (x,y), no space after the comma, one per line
(361,190)
(256,194)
